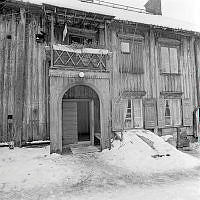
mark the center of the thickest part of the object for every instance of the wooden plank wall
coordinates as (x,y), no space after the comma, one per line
(152,82)
(23,88)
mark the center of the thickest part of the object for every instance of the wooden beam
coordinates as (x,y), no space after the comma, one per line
(52,37)
(197,67)
(92,122)
(19,86)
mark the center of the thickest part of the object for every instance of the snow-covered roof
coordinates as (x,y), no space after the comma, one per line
(121,14)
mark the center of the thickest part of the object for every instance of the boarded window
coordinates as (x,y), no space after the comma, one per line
(150,117)
(169,60)
(187,112)
(132,62)
(134,115)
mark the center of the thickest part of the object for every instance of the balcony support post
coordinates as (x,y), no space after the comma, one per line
(52,37)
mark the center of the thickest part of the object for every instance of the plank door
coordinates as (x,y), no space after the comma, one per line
(83,121)
(69,125)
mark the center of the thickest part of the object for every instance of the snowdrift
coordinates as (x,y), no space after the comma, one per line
(143,151)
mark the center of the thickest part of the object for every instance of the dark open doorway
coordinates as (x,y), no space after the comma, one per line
(81,116)
(83,119)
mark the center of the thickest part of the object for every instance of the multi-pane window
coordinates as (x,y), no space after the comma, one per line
(172,112)
(133,114)
(125,47)
(169,60)
(131,56)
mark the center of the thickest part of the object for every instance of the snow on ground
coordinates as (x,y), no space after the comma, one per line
(32,173)
(136,155)
(29,167)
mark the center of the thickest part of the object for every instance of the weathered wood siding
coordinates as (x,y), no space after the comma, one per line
(23,80)
(152,81)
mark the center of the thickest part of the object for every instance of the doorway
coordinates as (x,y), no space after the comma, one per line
(81,116)
(83,121)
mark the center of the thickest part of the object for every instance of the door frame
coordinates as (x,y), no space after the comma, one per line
(91,116)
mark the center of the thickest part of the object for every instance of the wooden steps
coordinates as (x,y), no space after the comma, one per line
(82,149)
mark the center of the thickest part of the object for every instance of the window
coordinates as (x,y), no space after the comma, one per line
(125,47)
(133,114)
(79,39)
(169,59)
(132,57)
(172,112)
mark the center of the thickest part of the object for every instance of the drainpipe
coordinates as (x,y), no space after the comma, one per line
(197,65)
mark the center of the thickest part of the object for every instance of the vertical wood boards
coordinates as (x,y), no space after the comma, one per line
(150,113)
(23,81)
(197,64)
(187,112)
(161,112)
(2,54)
(19,89)
(69,123)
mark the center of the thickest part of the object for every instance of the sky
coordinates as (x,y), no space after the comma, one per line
(185,10)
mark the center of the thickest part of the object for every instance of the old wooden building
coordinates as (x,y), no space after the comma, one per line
(76,72)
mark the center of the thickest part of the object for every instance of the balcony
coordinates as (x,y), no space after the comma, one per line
(70,57)
(170,84)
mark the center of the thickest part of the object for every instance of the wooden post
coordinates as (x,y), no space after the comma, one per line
(2,57)
(178,137)
(106,36)
(92,122)
(19,85)
(197,65)
(52,37)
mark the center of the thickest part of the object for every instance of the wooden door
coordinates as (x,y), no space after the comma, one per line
(69,122)
(83,121)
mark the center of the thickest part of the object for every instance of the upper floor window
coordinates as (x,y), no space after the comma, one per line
(125,47)
(80,39)
(169,59)
(131,56)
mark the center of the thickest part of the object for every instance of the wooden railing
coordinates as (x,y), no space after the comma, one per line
(170,83)
(89,59)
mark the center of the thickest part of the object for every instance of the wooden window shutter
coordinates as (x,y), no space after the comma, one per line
(161,113)
(118,115)
(138,57)
(173,60)
(150,117)
(165,65)
(187,112)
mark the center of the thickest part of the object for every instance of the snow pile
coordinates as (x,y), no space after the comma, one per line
(195,146)
(144,152)
(141,152)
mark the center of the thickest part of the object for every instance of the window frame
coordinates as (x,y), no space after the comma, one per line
(135,68)
(132,117)
(127,42)
(169,46)
(173,123)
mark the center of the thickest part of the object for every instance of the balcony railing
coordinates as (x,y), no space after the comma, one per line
(170,83)
(90,59)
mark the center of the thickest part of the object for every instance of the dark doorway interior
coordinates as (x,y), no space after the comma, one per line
(83,121)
